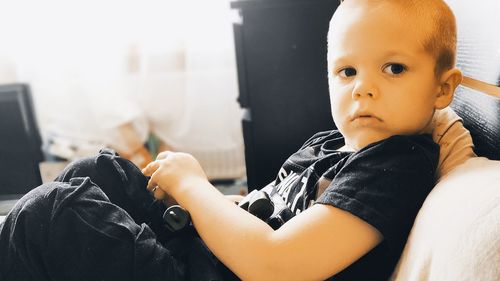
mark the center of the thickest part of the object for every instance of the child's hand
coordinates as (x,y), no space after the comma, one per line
(171,172)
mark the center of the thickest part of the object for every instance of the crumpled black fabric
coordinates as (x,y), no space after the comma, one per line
(71,231)
(97,221)
(124,185)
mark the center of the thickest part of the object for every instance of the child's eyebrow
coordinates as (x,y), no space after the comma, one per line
(336,61)
(398,53)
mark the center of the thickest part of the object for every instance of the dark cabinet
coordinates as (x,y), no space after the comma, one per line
(20,142)
(282,72)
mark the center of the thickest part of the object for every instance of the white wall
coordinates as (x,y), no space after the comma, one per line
(167,66)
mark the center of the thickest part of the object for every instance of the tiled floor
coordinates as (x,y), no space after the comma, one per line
(237,186)
(50,170)
(7,203)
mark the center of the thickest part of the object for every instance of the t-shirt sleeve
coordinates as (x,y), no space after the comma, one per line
(386,183)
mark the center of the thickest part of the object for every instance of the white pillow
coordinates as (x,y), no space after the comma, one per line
(456,235)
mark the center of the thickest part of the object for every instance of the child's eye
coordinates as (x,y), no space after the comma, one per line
(347,72)
(394,68)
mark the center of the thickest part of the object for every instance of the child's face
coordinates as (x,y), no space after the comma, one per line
(382,81)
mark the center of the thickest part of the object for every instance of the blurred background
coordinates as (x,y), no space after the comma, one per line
(137,76)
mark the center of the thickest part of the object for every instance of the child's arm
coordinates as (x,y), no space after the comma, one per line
(314,245)
(235,198)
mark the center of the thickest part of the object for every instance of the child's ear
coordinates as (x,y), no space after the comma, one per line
(448,83)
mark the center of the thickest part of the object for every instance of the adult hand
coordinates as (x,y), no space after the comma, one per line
(171,172)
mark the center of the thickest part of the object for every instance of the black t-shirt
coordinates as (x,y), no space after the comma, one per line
(384,184)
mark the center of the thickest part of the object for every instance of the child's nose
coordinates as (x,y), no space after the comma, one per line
(364,88)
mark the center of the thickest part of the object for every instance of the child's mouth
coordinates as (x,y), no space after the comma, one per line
(365,119)
(365,116)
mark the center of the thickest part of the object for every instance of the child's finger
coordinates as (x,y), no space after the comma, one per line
(151,184)
(150,168)
(163,154)
(160,194)
(146,169)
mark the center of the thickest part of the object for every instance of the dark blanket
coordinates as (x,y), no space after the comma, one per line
(71,231)
(98,222)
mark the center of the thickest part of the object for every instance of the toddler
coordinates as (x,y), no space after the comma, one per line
(354,191)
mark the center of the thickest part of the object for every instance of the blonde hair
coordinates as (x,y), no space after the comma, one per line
(441,41)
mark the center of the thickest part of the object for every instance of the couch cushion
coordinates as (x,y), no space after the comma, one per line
(456,235)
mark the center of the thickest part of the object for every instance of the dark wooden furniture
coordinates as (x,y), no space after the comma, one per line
(20,142)
(281,56)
